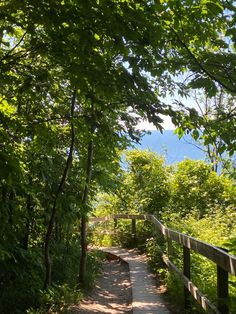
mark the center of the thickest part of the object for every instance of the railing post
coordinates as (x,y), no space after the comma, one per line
(169,247)
(186,271)
(222,289)
(115,224)
(133,227)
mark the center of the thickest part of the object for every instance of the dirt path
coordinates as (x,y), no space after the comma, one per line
(112,294)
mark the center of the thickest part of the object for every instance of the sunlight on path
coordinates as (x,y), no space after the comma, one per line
(125,286)
(146,299)
(112,293)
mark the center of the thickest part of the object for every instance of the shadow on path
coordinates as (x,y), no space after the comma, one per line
(112,294)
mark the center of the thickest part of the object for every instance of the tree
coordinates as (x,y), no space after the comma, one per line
(207,65)
(211,113)
(148,181)
(142,185)
(197,190)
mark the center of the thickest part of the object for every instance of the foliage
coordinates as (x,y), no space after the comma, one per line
(111,61)
(198,189)
(215,228)
(210,121)
(57,299)
(125,238)
(154,248)
(21,279)
(108,234)
(147,182)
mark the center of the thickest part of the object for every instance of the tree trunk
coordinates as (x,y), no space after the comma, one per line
(47,260)
(28,223)
(83,243)
(83,226)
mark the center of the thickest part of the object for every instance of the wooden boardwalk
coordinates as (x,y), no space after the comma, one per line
(146,299)
(225,263)
(112,293)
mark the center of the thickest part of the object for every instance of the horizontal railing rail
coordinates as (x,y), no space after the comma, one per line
(217,255)
(226,263)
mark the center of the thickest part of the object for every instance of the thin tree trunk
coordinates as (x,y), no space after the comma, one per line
(25,242)
(10,208)
(65,255)
(28,223)
(83,232)
(47,260)
(1,37)
(83,257)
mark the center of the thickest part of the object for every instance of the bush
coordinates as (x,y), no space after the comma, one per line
(214,229)
(21,281)
(57,299)
(196,189)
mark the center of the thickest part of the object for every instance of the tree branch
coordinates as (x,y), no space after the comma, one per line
(17,45)
(232,90)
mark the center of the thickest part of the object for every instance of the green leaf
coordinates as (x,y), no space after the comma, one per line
(180,132)
(195,134)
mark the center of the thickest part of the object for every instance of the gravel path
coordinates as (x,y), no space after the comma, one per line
(112,294)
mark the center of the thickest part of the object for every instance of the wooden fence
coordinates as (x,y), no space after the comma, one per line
(225,263)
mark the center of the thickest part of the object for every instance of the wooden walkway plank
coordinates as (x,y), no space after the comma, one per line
(146,300)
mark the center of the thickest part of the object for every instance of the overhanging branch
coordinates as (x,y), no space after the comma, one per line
(200,65)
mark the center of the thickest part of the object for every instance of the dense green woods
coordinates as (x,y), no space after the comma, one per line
(76,77)
(174,193)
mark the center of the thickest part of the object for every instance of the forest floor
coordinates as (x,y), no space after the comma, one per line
(112,293)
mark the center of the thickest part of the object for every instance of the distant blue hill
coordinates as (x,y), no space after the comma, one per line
(169,145)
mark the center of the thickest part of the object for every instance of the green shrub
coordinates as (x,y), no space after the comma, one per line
(155,248)
(56,299)
(21,281)
(196,189)
(217,229)
(65,261)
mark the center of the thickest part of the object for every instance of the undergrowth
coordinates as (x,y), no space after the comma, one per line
(22,285)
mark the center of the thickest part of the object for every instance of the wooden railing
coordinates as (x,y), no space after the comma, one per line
(226,263)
